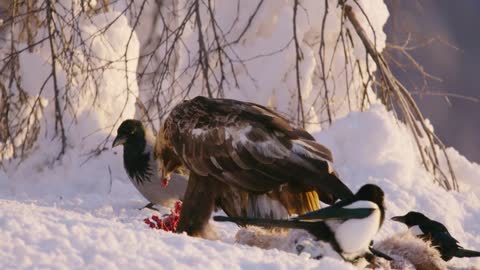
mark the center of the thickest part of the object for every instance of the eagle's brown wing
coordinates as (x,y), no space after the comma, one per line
(250,147)
(248,160)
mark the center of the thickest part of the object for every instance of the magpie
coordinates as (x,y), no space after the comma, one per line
(427,229)
(348,225)
(142,167)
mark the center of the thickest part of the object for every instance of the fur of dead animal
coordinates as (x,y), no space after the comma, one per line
(293,241)
(265,239)
(407,249)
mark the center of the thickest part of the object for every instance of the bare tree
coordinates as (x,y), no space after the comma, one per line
(172,67)
(394,92)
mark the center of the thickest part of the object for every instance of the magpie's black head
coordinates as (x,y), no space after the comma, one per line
(412,218)
(370,192)
(131,132)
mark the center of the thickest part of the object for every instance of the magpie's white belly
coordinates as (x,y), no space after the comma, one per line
(151,185)
(354,235)
(155,193)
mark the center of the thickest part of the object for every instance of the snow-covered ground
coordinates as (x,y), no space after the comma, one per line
(77,221)
(82,213)
(70,235)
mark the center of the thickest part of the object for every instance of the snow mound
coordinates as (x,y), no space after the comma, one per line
(374,147)
(101,226)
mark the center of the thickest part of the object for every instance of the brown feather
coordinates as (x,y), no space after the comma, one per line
(198,205)
(297,202)
(243,151)
(320,150)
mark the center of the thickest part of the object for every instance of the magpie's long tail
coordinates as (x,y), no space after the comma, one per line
(461,253)
(282,223)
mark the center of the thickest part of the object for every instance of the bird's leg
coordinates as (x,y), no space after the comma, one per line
(380,254)
(149,206)
(198,205)
(230,199)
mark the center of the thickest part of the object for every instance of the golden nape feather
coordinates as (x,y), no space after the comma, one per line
(171,162)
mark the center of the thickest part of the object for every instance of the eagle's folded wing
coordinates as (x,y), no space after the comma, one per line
(253,148)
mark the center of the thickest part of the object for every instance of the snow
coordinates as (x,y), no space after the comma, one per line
(97,227)
(80,212)
(58,238)
(264,58)
(382,152)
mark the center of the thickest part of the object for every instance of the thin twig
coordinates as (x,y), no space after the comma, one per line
(58,111)
(410,111)
(298,58)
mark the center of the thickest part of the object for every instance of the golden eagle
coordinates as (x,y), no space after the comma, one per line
(237,149)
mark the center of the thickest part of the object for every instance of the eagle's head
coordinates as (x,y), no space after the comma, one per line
(131,133)
(166,155)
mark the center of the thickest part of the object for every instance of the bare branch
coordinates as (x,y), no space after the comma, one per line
(58,111)
(411,113)
(298,58)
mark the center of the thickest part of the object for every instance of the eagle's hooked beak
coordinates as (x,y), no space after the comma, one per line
(119,140)
(165,178)
(399,219)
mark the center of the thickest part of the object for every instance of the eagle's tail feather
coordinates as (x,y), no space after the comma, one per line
(297,202)
(312,202)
